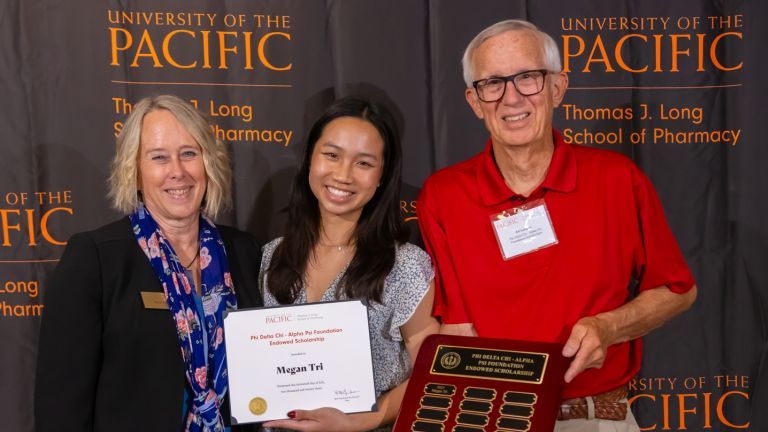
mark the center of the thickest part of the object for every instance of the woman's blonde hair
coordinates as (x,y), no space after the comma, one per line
(123,186)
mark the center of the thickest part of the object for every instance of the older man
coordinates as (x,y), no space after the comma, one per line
(535,239)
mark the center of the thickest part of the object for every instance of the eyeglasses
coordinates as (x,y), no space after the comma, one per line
(527,83)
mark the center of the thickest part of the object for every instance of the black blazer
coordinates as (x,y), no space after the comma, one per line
(105,363)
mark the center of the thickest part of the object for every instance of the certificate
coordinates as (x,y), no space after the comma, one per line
(298,357)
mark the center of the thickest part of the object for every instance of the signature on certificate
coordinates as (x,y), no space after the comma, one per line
(346,392)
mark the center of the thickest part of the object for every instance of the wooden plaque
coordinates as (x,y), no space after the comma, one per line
(466,384)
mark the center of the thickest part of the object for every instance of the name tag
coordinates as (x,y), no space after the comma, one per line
(154,300)
(524,229)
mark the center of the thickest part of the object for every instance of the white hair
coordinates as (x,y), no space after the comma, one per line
(548,46)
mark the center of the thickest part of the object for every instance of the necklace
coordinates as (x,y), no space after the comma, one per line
(191,262)
(338,247)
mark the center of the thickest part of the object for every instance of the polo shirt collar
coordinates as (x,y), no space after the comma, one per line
(561,175)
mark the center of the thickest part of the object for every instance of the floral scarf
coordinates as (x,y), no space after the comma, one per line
(207,377)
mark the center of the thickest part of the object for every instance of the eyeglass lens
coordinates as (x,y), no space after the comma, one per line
(526,83)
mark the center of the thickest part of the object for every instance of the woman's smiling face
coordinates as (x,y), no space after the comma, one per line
(346,167)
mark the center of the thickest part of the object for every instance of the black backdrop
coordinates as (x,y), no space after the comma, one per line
(264,68)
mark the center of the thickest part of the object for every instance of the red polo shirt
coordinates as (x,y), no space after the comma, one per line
(611,230)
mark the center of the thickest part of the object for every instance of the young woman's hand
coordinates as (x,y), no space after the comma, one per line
(321,420)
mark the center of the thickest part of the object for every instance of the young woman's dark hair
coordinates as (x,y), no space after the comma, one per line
(378,231)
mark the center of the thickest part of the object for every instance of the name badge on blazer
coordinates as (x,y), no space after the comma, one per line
(153,300)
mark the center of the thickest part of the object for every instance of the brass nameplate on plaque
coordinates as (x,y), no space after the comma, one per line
(493,364)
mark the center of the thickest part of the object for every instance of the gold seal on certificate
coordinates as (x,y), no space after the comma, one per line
(257,406)
(298,357)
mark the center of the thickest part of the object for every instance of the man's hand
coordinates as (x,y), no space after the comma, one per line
(587,344)
(591,336)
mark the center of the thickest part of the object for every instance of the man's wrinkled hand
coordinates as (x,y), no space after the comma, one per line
(587,344)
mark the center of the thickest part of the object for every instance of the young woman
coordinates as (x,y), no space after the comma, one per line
(346,241)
